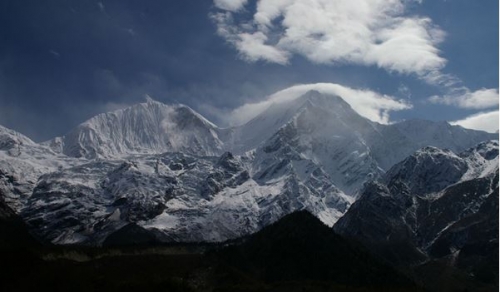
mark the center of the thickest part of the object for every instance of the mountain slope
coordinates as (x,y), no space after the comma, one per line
(176,196)
(433,205)
(22,162)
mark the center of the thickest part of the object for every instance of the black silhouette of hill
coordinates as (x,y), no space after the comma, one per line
(297,253)
(299,247)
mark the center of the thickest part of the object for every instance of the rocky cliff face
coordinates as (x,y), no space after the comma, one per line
(434,204)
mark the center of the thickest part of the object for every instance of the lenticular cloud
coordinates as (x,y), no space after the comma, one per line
(370,104)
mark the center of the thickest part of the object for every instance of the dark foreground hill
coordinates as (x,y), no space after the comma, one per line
(300,248)
(298,253)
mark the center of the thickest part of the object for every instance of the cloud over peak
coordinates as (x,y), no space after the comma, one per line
(364,32)
(367,103)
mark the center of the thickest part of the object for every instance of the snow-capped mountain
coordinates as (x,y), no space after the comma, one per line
(169,172)
(348,147)
(433,204)
(150,127)
(328,132)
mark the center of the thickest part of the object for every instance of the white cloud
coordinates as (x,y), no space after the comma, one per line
(369,104)
(230,5)
(480,99)
(408,46)
(487,121)
(365,32)
(253,48)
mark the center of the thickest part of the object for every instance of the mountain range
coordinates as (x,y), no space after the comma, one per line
(416,200)
(167,171)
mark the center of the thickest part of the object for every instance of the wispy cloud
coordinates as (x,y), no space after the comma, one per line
(486,121)
(365,32)
(101,6)
(367,103)
(480,99)
(230,5)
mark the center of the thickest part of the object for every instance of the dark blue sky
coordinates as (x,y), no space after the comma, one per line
(63,61)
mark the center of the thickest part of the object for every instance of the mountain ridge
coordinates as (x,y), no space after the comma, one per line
(169,170)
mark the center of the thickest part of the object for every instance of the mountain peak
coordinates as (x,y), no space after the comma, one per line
(144,128)
(428,170)
(10,138)
(149,99)
(280,113)
(317,98)
(431,150)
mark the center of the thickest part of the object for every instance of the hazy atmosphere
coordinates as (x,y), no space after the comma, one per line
(63,63)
